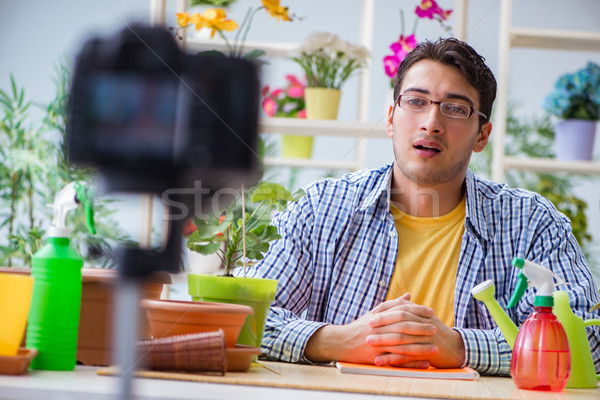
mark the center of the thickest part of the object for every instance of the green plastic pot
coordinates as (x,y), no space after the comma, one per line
(254,292)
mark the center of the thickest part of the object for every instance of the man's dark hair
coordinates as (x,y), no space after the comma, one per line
(454,52)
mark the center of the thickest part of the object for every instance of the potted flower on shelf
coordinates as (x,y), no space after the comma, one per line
(327,62)
(240,236)
(289,103)
(575,100)
(216,20)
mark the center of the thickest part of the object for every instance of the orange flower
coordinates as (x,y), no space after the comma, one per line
(276,10)
(183,19)
(221,219)
(215,19)
(189,228)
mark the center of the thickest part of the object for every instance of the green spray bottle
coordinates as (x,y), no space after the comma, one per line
(53,321)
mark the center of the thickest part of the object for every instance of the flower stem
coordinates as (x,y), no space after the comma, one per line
(246,26)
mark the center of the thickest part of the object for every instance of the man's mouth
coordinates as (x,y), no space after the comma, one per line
(427,148)
(427,145)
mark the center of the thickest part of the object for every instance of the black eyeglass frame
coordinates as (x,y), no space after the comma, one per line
(431,102)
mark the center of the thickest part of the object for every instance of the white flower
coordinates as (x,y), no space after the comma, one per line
(318,40)
(361,54)
(329,61)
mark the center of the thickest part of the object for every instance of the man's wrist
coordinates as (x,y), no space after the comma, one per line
(321,347)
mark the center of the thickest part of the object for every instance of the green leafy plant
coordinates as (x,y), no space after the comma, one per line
(233,232)
(33,168)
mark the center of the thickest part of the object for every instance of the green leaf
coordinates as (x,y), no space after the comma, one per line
(215,53)
(270,192)
(254,54)
(266,232)
(210,227)
(205,249)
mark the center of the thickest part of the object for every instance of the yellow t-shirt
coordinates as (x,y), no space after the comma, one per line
(428,251)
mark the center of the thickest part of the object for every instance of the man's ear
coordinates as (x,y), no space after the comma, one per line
(389,126)
(482,137)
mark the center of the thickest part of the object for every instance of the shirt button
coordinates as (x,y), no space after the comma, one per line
(393,233)
(382,283)
(287,354)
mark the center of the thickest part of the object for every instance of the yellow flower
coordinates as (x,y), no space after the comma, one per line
(215,19)
(183,19)
(276,10)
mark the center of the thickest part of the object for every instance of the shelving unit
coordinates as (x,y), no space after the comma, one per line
(359,130)
(510,37)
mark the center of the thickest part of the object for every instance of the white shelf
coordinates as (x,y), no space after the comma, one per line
(322,127)
(555,39)
(310,163)
(271,49)
(552,165)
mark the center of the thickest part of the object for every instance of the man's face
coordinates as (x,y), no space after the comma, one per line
(429,147)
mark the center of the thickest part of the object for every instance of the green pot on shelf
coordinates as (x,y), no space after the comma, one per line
(254,292)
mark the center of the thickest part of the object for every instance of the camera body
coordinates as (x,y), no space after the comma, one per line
(153,119)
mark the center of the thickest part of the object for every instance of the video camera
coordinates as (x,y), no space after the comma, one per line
(152,118)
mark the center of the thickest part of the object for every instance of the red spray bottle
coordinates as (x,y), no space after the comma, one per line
(541,359)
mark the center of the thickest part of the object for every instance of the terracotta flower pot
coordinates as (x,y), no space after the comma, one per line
(95,340)
(170,317)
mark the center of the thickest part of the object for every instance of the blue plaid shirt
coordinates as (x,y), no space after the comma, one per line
(338,251)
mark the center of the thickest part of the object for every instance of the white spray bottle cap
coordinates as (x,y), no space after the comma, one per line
(66,200)
(535,275)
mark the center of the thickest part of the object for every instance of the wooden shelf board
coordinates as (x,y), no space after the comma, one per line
(321,127)
(273,49)
(555,39)
(310,163)
(551,165)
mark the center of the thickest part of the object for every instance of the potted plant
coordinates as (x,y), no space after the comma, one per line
(575,100)
(288,102)
(327,62)
(240,235)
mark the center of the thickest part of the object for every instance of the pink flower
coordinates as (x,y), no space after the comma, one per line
(269,106)
(293,80)
(295,91)
(265,91)
(445,14)
(287,101)
(403,46)
(391,64)
(430,8)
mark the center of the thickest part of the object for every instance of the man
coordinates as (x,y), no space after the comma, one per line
(377,267)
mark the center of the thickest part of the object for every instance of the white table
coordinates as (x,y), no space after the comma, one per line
(84,384)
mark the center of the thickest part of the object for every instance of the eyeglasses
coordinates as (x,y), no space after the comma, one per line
(452,110)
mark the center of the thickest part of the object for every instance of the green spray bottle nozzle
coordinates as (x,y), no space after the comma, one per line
(519,290)
(533,274)
(83,196)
